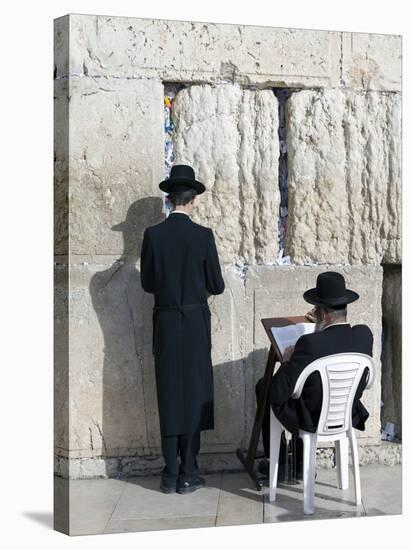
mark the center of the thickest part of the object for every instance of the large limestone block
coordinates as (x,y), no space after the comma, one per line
(129,47)
(61,358)
(61,43)
(229,135)
(105,371)
(372,61)
(392,347)
(61,167)
(344,177)
(116,157)
(276,291)
(109,394)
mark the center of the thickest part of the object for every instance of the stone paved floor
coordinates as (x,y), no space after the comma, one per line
(136,504)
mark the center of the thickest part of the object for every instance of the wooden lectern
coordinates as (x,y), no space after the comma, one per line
(248,458)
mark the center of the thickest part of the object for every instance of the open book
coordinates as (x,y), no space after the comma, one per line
(288,335)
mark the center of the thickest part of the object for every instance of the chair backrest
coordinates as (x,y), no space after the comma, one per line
(340,374)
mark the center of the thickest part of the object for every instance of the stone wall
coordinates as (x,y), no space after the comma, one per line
(343,143)
(344,172)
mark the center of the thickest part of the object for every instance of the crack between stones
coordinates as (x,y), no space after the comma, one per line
(282,95)
(97,425)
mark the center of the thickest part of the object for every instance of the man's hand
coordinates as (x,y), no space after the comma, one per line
(311,315)
(288,352)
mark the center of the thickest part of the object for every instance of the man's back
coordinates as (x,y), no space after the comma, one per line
(179,265)
(183,262)
(304,413)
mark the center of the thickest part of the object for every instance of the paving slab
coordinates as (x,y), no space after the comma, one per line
(382,489)
(160,524)
(381,494)
(143,500)
(92,502)
(330,502)
(239,502)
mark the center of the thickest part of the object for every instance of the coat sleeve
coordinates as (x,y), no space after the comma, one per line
(283,383)
(213,275)
(146,264)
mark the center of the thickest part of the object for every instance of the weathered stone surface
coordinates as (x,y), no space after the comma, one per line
(388,454)
(208,52)
(229,135)
(248,54)
(61,359)
(372,61)
(111,386)
(109,396)
(61,43)
(392,347)
(275,291)
(344,177)
(61,120)
(116,157)
(228,325)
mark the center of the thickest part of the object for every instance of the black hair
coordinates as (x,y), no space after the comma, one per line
(181,197)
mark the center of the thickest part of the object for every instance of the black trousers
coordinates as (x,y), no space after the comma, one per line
(186,446)
(266,431)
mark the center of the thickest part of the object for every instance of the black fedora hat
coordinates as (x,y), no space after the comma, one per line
(330,291)
(182,178)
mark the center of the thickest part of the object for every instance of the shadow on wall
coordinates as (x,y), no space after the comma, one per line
(124,312)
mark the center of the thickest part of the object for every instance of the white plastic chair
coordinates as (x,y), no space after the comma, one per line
(340,375)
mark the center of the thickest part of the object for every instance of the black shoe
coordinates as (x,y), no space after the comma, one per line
(168,488)
(184,487)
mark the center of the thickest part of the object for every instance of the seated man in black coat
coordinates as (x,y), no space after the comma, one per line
(333,334)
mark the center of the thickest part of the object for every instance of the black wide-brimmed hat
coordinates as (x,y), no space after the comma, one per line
(182,178)
(330,291)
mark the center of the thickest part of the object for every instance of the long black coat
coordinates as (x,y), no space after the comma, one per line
(303,413)
(180,265)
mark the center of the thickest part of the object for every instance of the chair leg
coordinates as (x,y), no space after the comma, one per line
(355,466)
(309,467)
(275,434)
(342,462)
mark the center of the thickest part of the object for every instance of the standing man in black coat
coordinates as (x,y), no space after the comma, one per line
(180,266)
(333,334)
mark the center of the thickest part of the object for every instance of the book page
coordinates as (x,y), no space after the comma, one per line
(288,335)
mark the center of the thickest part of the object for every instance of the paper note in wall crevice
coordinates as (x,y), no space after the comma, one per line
(288,335)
